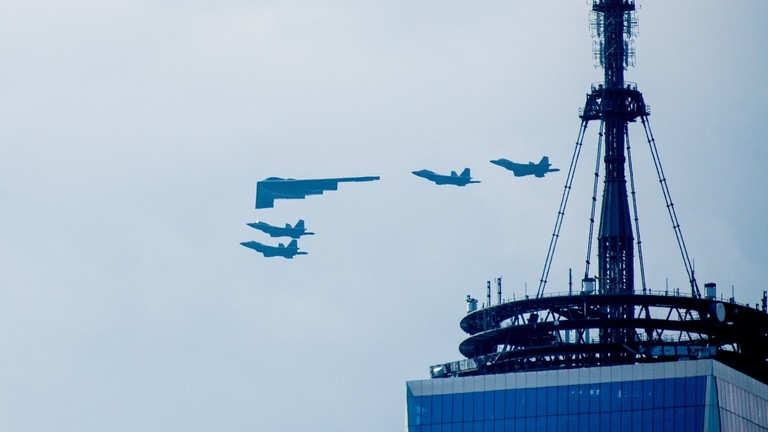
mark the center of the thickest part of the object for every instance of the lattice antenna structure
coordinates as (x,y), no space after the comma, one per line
(615,103)
(597,27)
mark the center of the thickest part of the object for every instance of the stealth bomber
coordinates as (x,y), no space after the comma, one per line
(272,188)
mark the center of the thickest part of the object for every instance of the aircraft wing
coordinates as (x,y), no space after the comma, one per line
(268,190)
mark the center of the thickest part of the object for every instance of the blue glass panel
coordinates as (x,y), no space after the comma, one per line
(457,413)
(680,396)
(625,392)
(702,389)
(477,426)
(583,422)
(489,405)
(568,422)
(498,426)
(669,392)
(447,414)
(563,401)
(533,401)
(594,399)
(539,423)
(423,410)
(657,419)
(509,425)
(637,395)
(522,403)
(695,416)
(658,394)
(411,408)
(616,421)
(437,410)
(694,390)
(615,403)
(528,424)
(583,400)
(488,426)
(603,422)
(639,421)
(550,401)
(469,406)
(468,427)
(519,425)
(509,404)
(499,401)
(593,420)
(679,422)
(668,418)
(647,402)
(419,411)
(479,405)
(604,399)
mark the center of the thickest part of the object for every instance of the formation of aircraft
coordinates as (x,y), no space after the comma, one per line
(462,179)
(282,250)
(272,188)
(293,232)
(530,168)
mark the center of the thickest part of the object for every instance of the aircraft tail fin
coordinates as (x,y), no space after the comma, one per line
(293,244)
(299,225)
(544,161)
(465,173)
(453,174)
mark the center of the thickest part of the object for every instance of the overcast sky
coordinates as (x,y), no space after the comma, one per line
(133,133)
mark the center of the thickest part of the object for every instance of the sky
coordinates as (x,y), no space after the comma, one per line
(133,134)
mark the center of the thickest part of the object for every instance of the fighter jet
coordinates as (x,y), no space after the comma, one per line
(454,179)
(272,188)
(531,168)
(294,232)
(282,250)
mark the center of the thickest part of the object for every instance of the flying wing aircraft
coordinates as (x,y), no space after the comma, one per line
(272,188)
(454,179)
(530,168)
(282,250)
(294,232)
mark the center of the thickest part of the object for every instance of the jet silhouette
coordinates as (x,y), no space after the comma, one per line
(272,188)
(294,232)
(530,168)
(454,179)
(282,250)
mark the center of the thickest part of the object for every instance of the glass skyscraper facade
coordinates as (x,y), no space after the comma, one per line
(697,395)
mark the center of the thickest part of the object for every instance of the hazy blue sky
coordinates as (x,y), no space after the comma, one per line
(133,133)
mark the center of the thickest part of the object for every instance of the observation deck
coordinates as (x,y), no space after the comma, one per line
(567,331)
